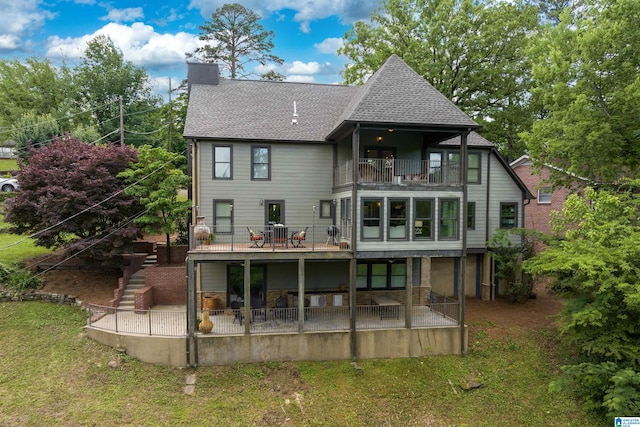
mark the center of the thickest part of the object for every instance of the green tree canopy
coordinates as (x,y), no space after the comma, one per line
(33,86)
(155,178)
(31,132)
(475,53)
(587,86)
(102,78)
(235,39)
(595,269)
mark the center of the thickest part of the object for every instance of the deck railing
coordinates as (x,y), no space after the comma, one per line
(264,238)
(273,320)
(399,172)
(446,306)
(144,322)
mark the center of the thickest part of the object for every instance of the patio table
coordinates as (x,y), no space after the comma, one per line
(389,308)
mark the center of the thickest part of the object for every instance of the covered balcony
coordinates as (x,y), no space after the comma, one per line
(399,172)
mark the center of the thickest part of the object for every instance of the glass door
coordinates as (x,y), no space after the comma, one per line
(274,212)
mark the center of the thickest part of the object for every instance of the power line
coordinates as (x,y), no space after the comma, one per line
(128,221)
(59,119)
(31,236)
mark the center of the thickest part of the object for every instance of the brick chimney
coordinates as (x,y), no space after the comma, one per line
(202,73)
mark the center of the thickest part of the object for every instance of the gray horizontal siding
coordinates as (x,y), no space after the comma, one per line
(301,175)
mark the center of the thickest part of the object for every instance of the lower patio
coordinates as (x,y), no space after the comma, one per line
(317,333)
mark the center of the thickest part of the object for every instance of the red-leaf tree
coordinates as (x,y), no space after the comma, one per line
(70,197)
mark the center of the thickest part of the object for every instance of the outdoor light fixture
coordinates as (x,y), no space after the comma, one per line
(379,139)
(261,202)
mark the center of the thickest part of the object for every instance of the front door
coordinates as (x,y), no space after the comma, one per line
(274,212)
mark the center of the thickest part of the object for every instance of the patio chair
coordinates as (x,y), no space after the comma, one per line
(256,238)
(237,308)
(297,237)
(280,311)
(258,310)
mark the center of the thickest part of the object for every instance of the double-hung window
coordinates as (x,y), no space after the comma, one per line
(448,219)
(423,219)
(508,215)
(261,162)
(223,216)
(473,168)
(397,219)
(222,162)
(371,219)
(471,215)
(544,196)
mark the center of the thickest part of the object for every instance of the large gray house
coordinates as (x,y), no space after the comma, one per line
(367,207)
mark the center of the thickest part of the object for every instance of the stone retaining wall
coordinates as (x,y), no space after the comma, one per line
(8,295)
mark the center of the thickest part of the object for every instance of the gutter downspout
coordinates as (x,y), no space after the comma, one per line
(355,148)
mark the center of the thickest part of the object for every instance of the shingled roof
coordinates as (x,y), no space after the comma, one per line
(396,94)
(474,139)
(263,110)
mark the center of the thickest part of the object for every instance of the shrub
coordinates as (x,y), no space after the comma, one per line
(19,279)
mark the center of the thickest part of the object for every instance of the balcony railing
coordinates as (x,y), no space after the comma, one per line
(399,172)
(264,238)
(273,320)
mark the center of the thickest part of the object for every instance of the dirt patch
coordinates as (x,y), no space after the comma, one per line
(499,316)
(88,286)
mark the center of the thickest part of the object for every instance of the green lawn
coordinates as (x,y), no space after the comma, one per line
(8,164)
(14,248)
(52,375)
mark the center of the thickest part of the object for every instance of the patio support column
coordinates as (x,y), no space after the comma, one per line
(409,287)
(247,296)
(301,294)
(353,307)
(191,309)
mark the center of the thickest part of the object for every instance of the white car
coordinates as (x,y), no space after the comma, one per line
(8,184)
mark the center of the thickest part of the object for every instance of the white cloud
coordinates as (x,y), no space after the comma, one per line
(300,79)
(124,15)
(310,68)
(139,43)
(18,19)
(299,67)
(9,42)
(330,45)
(306,11)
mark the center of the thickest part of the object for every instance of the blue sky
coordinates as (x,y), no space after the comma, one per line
(156,34)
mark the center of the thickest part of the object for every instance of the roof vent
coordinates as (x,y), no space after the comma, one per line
(294,120)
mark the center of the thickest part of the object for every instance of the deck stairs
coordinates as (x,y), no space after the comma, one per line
(136,282)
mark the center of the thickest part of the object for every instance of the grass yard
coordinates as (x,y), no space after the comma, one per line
(14,248)
(52,375)
(8,164)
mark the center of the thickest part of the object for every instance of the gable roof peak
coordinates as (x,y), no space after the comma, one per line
(397,94)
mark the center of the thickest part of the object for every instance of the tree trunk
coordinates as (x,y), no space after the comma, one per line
(168,249)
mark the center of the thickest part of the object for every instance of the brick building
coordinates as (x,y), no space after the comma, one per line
(537,213)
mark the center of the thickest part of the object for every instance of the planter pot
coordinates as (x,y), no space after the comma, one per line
(206,325)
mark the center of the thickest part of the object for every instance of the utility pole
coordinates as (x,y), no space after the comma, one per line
(121,123)
(170,118)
